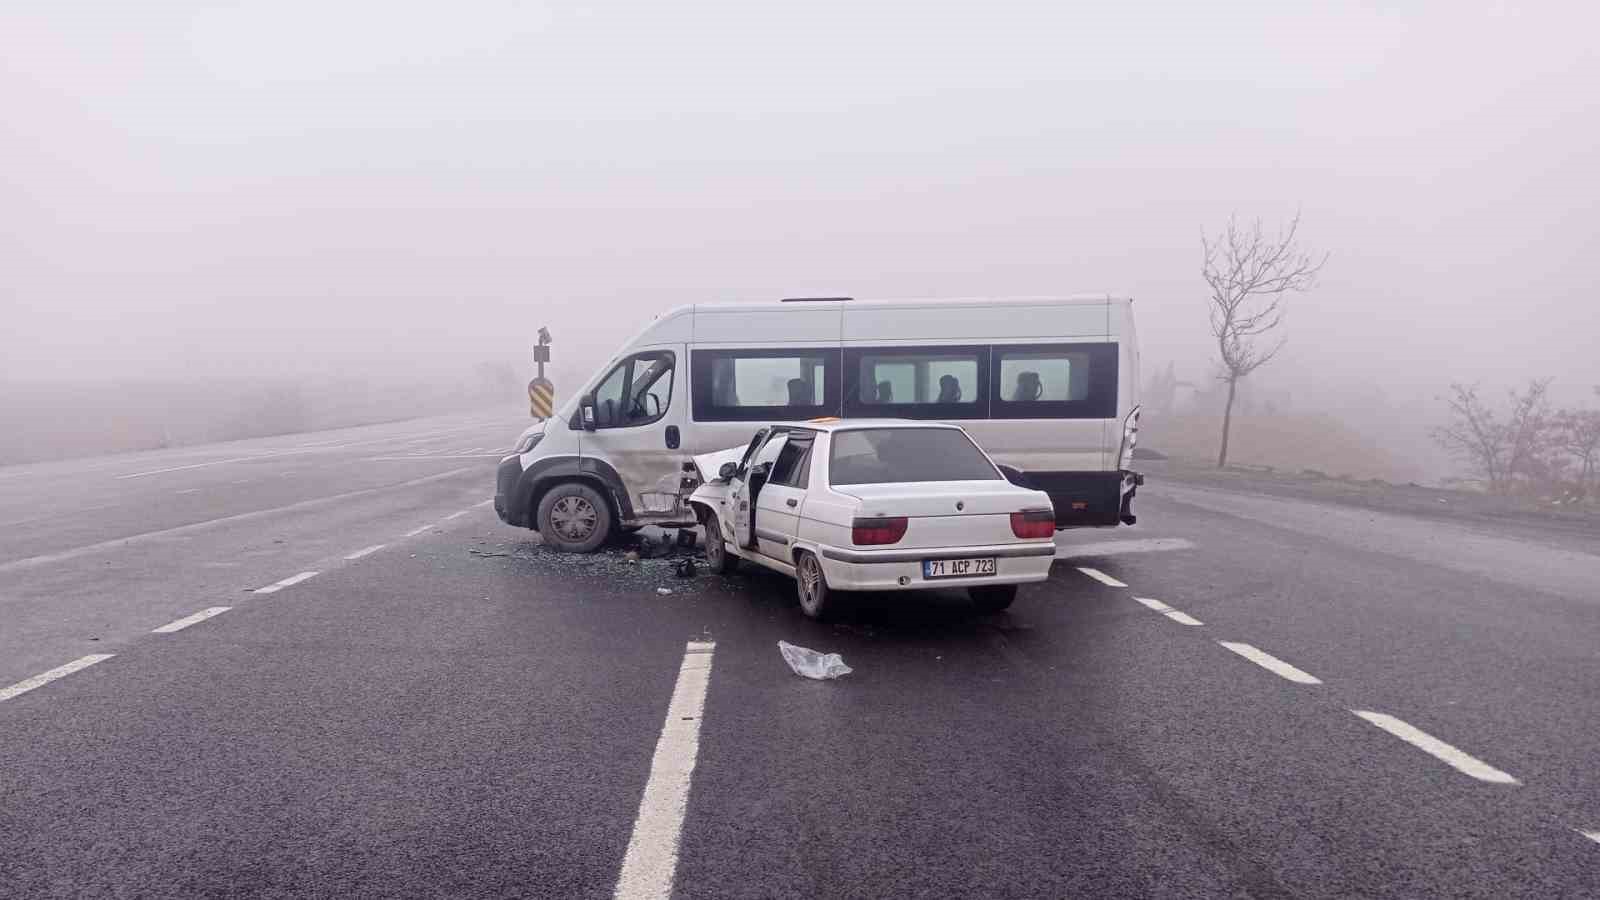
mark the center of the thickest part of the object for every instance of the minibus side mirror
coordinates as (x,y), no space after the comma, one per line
(586,413)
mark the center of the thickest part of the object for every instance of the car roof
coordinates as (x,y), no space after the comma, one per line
(831,424)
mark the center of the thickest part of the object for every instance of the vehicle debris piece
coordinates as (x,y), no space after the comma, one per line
(486,554)
(663,590)
(808,663)
(684,568)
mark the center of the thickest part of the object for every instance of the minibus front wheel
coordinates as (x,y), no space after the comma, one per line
(574,518)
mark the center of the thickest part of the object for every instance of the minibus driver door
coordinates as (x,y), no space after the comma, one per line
(632,424)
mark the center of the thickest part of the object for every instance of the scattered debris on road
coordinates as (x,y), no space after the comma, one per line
(486,554)
(663,590)
(808,663)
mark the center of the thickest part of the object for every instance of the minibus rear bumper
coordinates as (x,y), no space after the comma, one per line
(1088,499)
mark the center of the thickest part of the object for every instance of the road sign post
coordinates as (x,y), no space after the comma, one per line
(541,392)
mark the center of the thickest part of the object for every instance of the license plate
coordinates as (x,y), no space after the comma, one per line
(958,568)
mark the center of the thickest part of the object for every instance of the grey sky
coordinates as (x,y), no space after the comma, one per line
(200,187)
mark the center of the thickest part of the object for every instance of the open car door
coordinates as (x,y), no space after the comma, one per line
(752,478)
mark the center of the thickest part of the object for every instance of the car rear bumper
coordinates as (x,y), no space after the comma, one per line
(901,569)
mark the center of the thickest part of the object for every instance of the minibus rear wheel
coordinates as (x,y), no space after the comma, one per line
(574,518)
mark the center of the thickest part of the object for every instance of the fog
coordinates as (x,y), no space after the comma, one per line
(198,190)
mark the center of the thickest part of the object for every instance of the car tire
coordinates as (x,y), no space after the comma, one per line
(817,600)
(718,559)
(574,518)
(993,598)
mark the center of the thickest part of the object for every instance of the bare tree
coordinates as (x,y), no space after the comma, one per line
(1579,435)
(1249,272)
(1498,452)
(1474,436)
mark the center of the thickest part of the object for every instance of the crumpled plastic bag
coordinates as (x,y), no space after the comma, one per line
(811,664)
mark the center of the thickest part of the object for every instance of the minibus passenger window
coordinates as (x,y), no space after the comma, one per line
(1054,381)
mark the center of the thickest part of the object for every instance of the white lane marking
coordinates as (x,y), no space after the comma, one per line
(44,678)
(1427,743)
(189,491)
(652,857)
(416,531)
(1100,576)
(483,503)
(365,550)
(1113,548)
(1182,618)
(457,515)
(186,621)
(1591,835)
(119,543)
(277,586)
(215,462)
(433,456)
(1271,663)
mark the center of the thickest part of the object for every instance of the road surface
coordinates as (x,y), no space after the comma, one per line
(318,665)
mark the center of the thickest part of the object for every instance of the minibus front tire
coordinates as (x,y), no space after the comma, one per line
(574,518)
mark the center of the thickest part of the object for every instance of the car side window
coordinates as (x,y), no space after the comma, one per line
(793,466)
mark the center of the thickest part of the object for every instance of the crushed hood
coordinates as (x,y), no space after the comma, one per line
(709,464)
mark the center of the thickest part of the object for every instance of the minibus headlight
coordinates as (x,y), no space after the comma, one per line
(527,442)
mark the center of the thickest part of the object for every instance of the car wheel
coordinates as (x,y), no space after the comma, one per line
(574,518)
(718,559)
(816,598)
(993,598)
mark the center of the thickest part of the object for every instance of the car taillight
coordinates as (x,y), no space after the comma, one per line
(881,530)
(1034,523)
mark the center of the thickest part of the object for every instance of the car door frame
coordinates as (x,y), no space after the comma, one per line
(780,504)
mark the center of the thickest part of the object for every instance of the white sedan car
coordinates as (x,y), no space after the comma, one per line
(877,505)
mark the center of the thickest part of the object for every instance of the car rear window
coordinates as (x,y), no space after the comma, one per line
(887,455)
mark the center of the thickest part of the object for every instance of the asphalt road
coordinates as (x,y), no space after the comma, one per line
(462,713)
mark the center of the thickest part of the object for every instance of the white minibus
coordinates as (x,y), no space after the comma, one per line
(1049,387)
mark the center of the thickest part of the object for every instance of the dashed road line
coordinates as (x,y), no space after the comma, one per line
(651,862)
(457,515)
(189,491)
(1427,743)
(277,586)
(1182,618)
(186,621)
(1101,577)
(44,678)
(1271,663)
(416,531)
(365,550)
(1591,835)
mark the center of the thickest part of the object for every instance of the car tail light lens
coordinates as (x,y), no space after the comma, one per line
(1034,523)
(881,530)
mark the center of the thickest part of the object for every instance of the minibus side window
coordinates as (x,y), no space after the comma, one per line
(917,382)
(637,392)
(1054,381)
(764,384)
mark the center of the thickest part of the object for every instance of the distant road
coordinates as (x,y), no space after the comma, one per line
(320,666)
(91,550)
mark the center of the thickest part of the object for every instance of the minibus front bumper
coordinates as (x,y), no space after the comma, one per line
(506,480)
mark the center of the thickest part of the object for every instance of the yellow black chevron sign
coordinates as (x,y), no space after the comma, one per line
(541,397)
